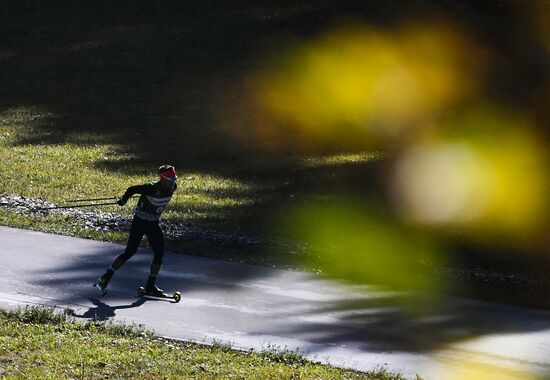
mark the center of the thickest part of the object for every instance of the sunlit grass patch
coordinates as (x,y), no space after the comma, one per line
(55,173)
(42,343)
(209,183)
(208,202)
(39,315)
(24,116)
(64,171)
(342,159)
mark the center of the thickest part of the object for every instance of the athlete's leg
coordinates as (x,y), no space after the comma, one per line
(136,234)
(156,239)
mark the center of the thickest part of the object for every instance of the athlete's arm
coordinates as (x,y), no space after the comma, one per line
(132,190)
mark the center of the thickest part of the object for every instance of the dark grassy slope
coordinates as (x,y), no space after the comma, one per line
(148,75)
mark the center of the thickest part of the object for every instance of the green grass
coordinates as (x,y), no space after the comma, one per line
(61,171)
(37,343)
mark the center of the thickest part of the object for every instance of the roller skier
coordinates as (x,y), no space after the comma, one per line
(155,196)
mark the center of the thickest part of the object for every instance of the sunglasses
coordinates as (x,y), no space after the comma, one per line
(169,179)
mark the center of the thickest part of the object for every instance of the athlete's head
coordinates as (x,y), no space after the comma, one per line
(168,176)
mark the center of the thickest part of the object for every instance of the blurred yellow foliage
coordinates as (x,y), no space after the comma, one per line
(458,162)
(476,369)
(489,172)
(541,16)
(359,245)
(378,84)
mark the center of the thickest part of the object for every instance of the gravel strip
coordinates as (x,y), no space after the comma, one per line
(106,221)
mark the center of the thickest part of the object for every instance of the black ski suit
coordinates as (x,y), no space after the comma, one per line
(152,202)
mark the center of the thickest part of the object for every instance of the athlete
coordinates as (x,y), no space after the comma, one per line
(154,198)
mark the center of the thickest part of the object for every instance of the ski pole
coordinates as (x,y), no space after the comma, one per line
(75,206)
(90,199)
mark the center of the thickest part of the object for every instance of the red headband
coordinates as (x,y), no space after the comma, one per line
(169,173)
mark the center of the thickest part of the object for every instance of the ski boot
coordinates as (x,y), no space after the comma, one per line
(101,286)
(155,292)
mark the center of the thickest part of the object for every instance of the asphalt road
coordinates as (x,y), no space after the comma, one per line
(258,308)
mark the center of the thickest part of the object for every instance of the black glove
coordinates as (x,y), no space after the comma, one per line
(121,202)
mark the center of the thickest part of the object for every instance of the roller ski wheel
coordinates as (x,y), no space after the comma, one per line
(142,292)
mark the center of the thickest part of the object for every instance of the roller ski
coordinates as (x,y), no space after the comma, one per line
(101,286)
(155,292)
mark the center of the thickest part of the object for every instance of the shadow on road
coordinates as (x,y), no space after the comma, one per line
(411,322)
(372,320)
(102,311)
